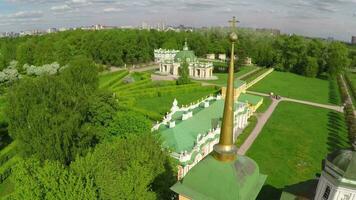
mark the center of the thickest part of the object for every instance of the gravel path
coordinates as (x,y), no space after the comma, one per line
(261,121)
(331,107)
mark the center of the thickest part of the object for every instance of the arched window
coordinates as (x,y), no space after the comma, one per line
(326,193)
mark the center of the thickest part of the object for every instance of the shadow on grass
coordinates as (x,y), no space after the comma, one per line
(5,139)
(303,190)
(334,97)
(335,140)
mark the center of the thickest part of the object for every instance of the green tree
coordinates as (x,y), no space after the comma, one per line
(337,59)
(126,167)
(48,116)
(311,67)
(49,181)
(129,122)
(25,53)
(184,74)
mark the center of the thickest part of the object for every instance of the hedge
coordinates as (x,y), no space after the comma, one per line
(113,78)
(136,85)
(154,92)
(7,153)
(6,168)
(254,75)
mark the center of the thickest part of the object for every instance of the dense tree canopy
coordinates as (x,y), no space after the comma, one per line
(49,116)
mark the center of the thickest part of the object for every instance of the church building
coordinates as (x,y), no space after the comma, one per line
(170,62)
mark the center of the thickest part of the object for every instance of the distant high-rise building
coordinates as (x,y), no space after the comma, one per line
(269,30)
(52,30)
(353,40)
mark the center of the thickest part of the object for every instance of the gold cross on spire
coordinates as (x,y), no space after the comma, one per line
(233,22)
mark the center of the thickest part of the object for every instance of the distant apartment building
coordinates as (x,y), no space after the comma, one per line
(269,30)
(52,30)
(353,40)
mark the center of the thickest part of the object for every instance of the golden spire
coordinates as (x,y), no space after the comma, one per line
(226,150)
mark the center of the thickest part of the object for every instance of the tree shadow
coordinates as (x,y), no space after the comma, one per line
(335,140)
(5,139)
(333,92)
(162,183)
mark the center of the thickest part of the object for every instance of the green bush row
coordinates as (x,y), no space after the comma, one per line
(6,168)
(115,79)
(254,75)
(131,86)
(172,91)
(149,114)
(152,92)
(7,153)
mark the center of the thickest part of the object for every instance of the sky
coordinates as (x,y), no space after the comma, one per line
(316,18)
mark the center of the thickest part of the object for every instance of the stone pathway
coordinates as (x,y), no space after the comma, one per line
(263,118)
(261,121)
(331,107)
(349,100)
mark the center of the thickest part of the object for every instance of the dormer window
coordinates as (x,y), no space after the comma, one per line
(326,193)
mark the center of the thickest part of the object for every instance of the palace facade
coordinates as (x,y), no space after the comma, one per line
(170,62)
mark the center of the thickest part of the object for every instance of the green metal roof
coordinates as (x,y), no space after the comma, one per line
(183,136)
(251,99)
(345,162)
(214,180)
(184,55)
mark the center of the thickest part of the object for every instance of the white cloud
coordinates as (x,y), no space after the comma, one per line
(26,14)
(111,9)
(60,7)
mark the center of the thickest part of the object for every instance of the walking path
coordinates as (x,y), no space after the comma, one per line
(261,121)
(349,99)
(331,107)
(248,73)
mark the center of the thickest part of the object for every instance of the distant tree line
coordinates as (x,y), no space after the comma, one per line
(309,57)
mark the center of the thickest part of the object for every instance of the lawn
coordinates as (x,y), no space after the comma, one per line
(293,143)
(163,104)
(222,77)
(265,105)
(252,121)
(353,78)
(297,87)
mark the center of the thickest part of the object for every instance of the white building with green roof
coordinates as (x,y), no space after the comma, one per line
(170,61)
(191,132)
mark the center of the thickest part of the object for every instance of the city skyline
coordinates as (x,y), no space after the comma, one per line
(313,18)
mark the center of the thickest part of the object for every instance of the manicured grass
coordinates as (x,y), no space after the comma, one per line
(352,78)
(252,121)
(222,77)
(6,188)
(163,104)
(265,105)
(293,143)
(295,86)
